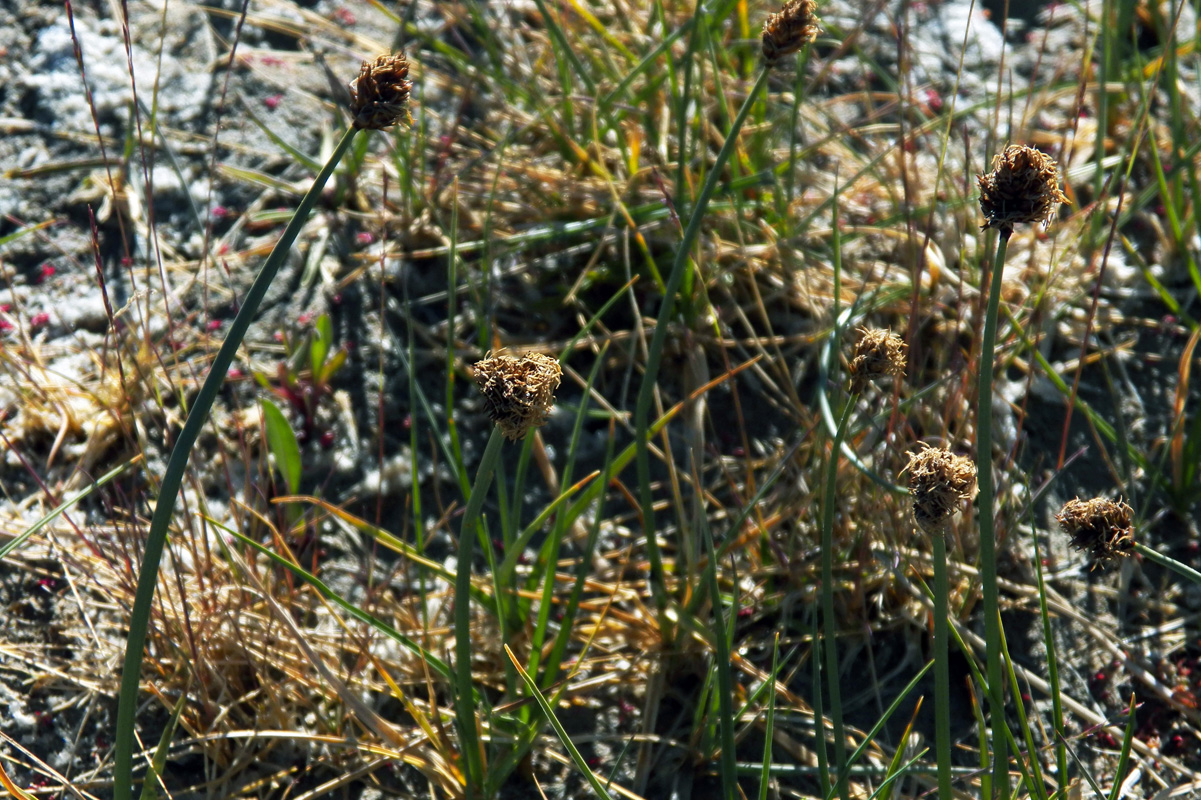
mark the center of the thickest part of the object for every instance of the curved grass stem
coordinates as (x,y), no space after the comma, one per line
(164,509)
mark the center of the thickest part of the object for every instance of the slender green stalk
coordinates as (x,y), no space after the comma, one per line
(829,623)
(547,709)
(1166,561)
(769,723)
(1061,752)
(473,764)
(727,719)
(988,544)
(819,713)
(156,538)
(654,356)
(942,667)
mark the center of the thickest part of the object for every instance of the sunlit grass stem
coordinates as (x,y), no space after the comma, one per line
(988,545)
(829,621)
(464,699)
(177,464)
(942,666)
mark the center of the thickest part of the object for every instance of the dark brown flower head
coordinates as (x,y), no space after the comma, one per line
(789,29)
(518,392)
(939,482)
(876,354)
(1100,527)
(379,97)
(1022,187)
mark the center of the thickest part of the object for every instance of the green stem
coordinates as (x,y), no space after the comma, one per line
(1171,563)
(988,545)
(139,618)
(464,696)
(942,667)
(829,622)
(654,354)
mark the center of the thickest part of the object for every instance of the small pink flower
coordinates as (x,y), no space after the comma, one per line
(220,211)
(344,16)
(234,373)
(39,320)
(273,101)
(271,61)
(212,325)
(365,237)
(305,318)
(47,271)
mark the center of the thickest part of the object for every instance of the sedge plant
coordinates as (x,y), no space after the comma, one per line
(1023,187)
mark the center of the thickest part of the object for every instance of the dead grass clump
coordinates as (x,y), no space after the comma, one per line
(939,481)
(518,392)
(1101,527)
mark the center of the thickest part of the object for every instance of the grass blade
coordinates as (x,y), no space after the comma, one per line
(156,538)
(572,751)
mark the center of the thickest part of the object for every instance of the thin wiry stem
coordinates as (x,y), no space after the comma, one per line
(942,667)
(988,545)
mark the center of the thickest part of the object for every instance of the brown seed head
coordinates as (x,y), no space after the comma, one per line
(1022,187)
(1099,526)
(380,95)
(789,29)
(876,354)
(939,481)
(518,392)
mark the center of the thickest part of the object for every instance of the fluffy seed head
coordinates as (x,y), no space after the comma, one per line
(789,29)
(519,392)
(876,354)
(939,481)
(1099,526)
(380,95)
(1022,187)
